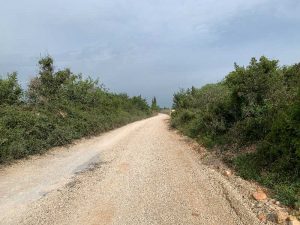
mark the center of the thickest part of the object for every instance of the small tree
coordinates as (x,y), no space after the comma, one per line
(10,90)
(47,86)
(154,105)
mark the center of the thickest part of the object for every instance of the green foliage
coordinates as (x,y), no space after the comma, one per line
(202,113)
(286,188)
(10,90)
(59,107)
(255,105)
(281,147)
(154,106)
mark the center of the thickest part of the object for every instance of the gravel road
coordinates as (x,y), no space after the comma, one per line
(142,173)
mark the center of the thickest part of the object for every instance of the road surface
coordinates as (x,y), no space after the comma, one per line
(142,173)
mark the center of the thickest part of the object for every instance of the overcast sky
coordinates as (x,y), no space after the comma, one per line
(148,47)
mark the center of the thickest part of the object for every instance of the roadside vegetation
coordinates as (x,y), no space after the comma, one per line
(56,108)
(154,106)
(255,113)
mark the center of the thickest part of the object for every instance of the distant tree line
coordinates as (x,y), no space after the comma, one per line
(58,107)
(257,105)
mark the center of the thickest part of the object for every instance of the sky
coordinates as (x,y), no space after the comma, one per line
(147,47)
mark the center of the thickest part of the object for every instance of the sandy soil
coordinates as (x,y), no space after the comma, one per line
(142,173)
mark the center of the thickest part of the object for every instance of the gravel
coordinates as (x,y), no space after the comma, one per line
(143,173)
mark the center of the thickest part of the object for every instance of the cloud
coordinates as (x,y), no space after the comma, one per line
(151,47)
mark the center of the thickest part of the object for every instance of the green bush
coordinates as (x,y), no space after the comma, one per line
(203,113)
(10,90)
(255,105)
(57,108)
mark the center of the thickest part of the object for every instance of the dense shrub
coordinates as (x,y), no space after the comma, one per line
(57,108)
(10,90)
(254,105)
(205,114)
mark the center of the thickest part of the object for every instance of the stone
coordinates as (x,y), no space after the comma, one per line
(227,173)
(259,195)
(262,217)
(277,202)
(281,217)
(293,221)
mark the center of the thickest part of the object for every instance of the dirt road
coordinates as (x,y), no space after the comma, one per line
(142,173)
